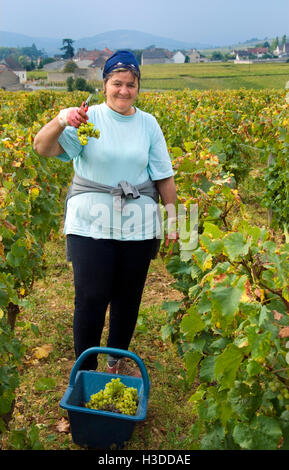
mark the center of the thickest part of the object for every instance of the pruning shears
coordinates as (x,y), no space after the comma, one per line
(85,103)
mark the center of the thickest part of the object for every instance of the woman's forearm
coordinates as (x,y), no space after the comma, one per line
(46,141)
(167,191)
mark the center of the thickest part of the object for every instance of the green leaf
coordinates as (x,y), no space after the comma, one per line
(192,323)
(260,343)
(197,396)
(254,368)
(225,299)
(203,259)
(263,433)
(214,439)
(235,245)
(213,230)
(171,307)
(214,212)
(227,365)
(214,247)
(245,400)
(192,359)
(166,331)
(207,370)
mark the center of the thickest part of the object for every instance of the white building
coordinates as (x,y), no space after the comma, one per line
(282,51)
(178,57)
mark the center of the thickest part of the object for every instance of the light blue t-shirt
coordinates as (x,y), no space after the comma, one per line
(130,148)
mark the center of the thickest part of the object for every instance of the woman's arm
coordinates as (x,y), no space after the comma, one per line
(167,191)
(46,141)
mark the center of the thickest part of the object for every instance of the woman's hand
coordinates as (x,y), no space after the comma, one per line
(172,231)
(72,117)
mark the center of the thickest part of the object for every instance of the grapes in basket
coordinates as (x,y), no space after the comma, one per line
(115,397)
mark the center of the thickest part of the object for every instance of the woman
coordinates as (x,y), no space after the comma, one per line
(111,225)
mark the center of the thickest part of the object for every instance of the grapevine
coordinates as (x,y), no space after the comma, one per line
(87,130)
(115,397)
(232,328)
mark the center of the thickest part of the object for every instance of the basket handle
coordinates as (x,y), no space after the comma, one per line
(112,351)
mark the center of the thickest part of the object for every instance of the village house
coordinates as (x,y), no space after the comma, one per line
(258,51)
(156,56)
(93,55)
(282,51)
(242,57)
(194,56)
(56,66)
(9,80)
(17,68)
(89,66)
(178,58)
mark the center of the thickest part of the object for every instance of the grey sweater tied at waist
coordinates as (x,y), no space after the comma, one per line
(124,190)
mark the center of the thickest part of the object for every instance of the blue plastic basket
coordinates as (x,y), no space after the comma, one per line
(96,428)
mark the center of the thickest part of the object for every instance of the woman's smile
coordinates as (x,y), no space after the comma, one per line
(121,91)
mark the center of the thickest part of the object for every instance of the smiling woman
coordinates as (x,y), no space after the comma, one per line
(112,221)
(121,89)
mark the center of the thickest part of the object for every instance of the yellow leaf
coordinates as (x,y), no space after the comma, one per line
(34,193)
(1,313)
(42,351)
(2,254)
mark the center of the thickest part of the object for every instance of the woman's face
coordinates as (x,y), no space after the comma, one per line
(121,91)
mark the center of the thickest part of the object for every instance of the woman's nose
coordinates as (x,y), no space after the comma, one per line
(124,90)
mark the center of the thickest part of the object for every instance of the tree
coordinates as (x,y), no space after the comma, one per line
(217,56)
(70,66)
(70,84)
(82,85)
(68,48)
(274,43)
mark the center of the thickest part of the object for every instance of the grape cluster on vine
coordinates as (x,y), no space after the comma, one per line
(281,390)
(87,130)
(115,397)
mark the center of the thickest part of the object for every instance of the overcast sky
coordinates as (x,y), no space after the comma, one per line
(217,22)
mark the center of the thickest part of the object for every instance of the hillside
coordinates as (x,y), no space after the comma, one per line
(117,39)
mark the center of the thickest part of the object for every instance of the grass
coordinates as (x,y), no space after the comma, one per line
(50,357)
(205,76)
(208,75)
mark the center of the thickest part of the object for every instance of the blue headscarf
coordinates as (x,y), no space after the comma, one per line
(123,60)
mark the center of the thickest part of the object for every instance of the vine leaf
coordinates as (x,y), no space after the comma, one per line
(227,365)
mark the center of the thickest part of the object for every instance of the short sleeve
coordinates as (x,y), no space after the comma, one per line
(70,144)
(159,163)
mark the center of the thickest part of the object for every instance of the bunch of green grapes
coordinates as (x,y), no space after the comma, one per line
(281,390)
(127,403)
(87,130)
(116,397)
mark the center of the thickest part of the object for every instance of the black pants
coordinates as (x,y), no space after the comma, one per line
(107,272)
